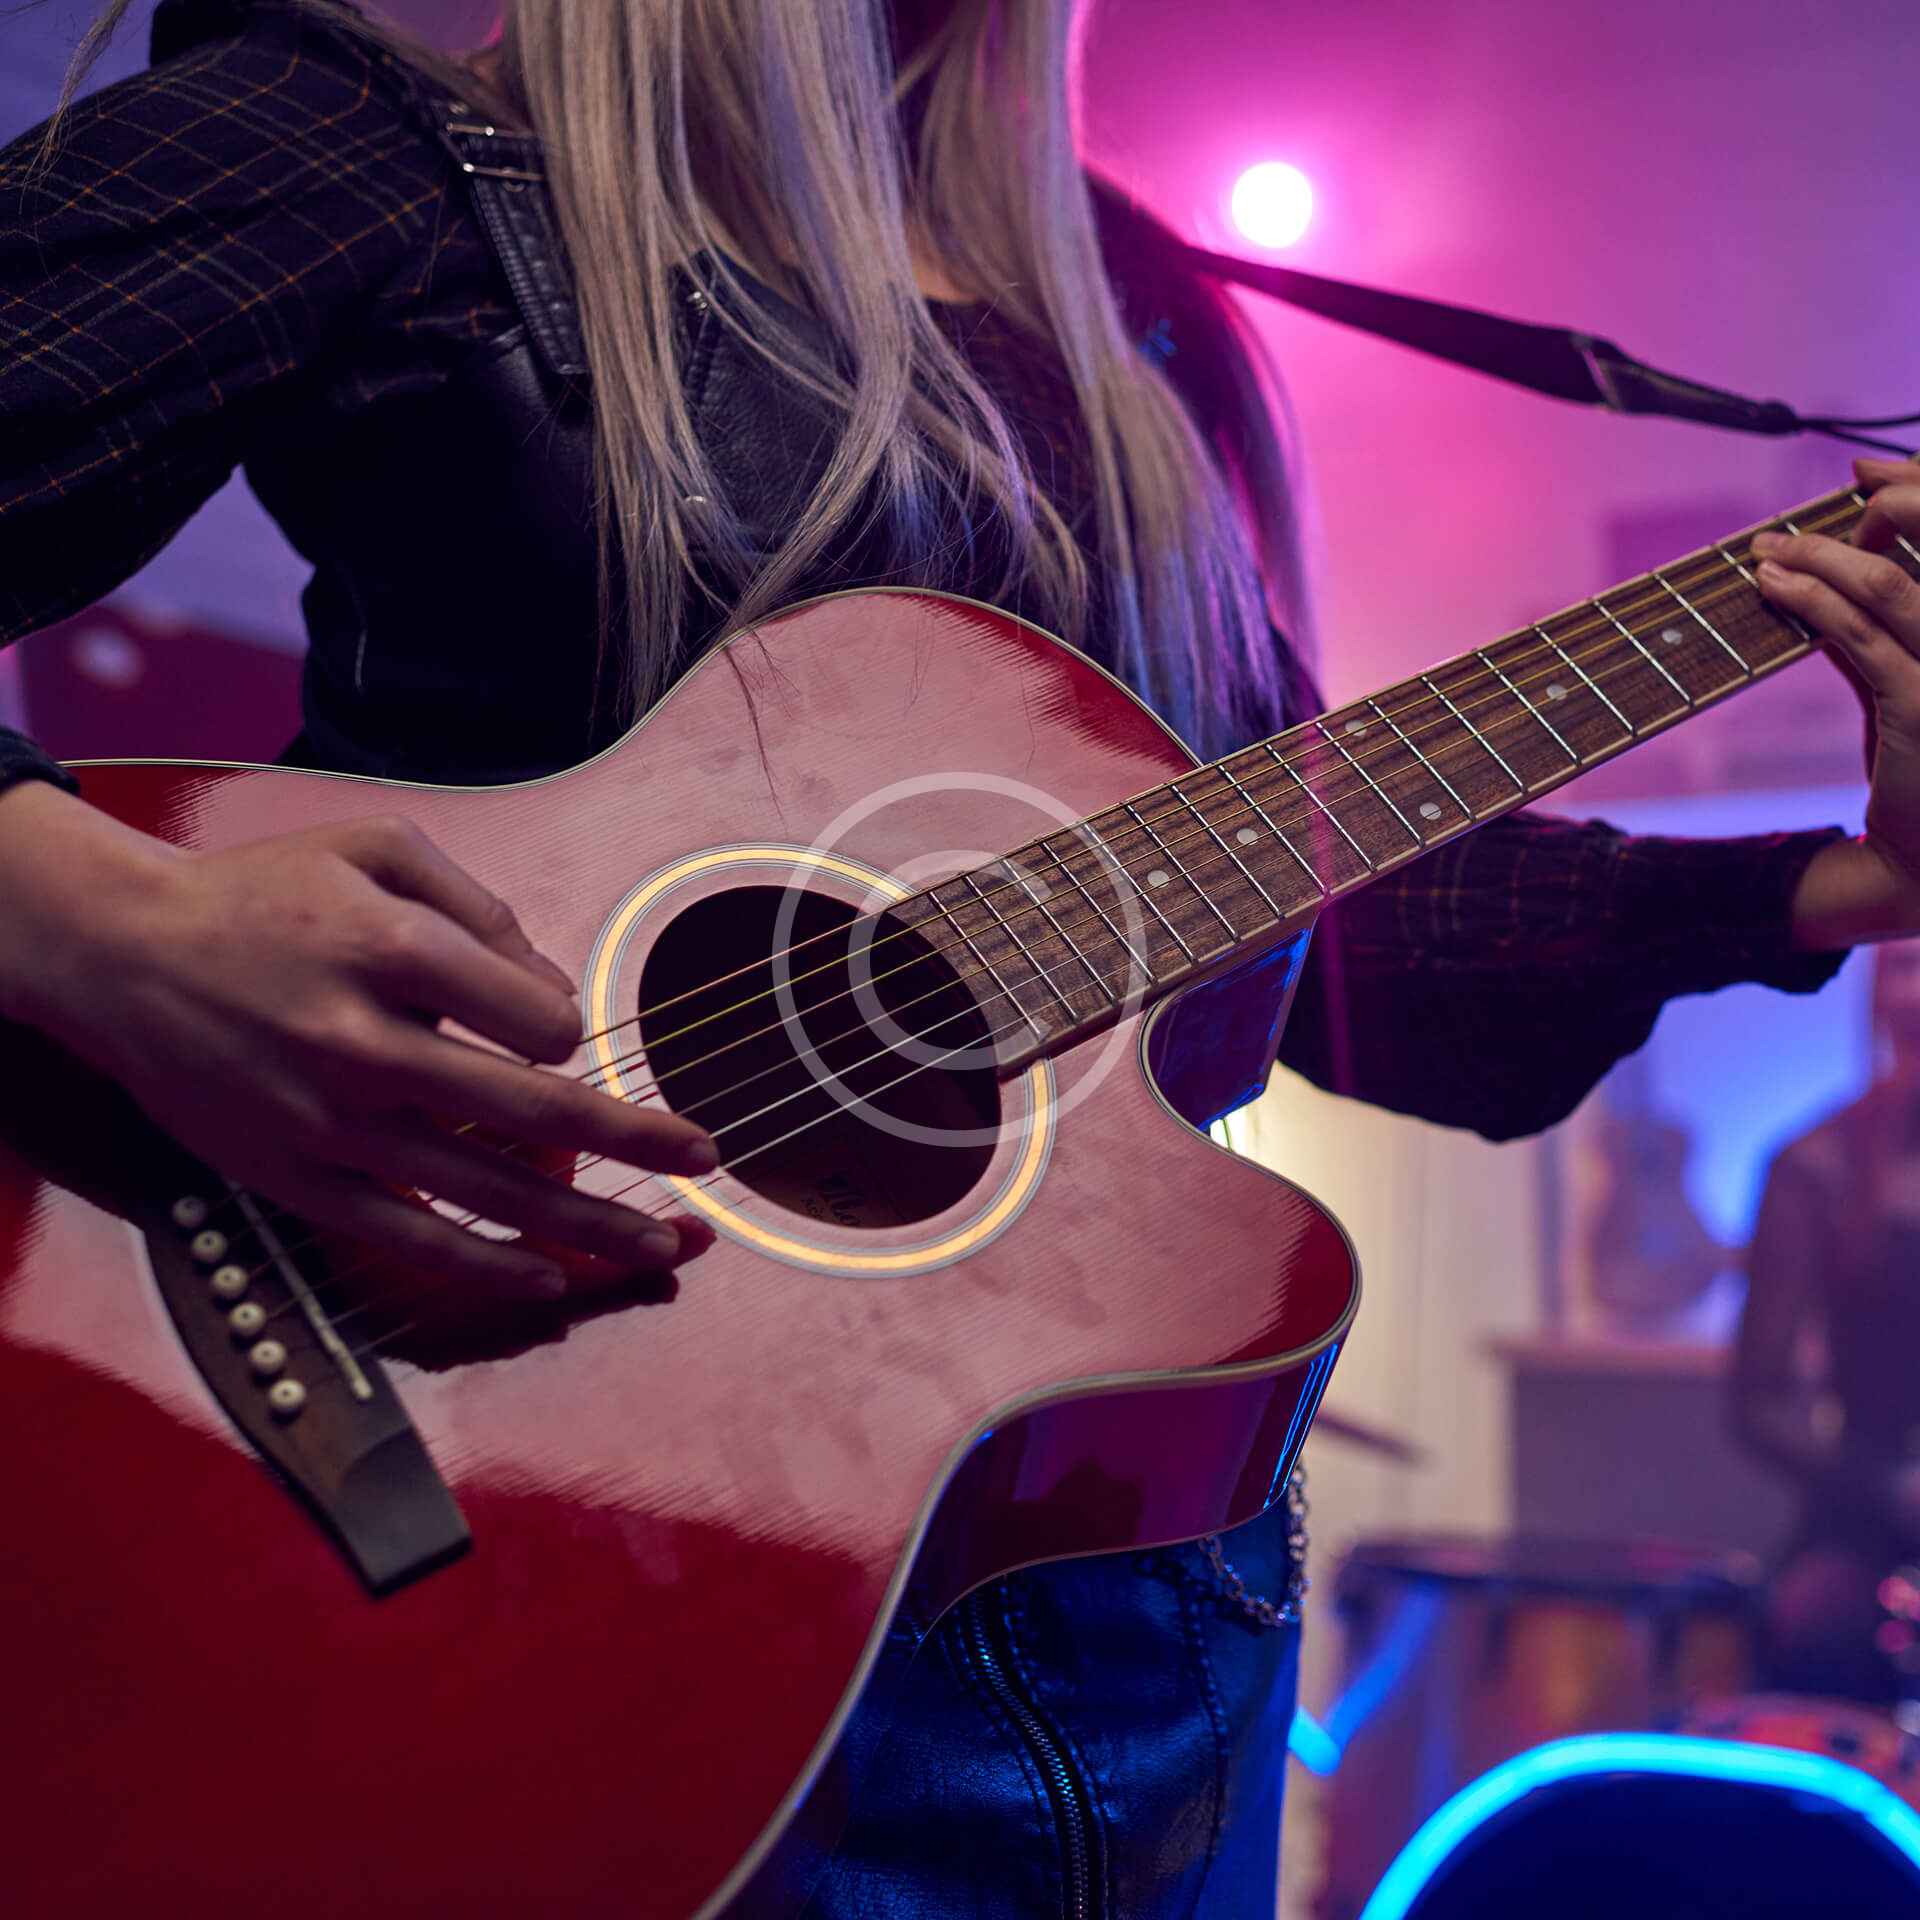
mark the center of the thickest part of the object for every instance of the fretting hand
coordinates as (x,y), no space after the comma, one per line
(1866,608)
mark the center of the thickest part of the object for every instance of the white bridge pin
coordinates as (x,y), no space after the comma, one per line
(286,1398)
(229,1282)
(266,1358)
(209,1246)
(189,1212)
(247,1319)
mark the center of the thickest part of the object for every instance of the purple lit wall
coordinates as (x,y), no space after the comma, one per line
(1727,190)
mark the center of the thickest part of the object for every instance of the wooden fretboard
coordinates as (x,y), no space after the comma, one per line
(1193,877)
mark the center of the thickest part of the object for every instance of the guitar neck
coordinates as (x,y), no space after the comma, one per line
(1196,876)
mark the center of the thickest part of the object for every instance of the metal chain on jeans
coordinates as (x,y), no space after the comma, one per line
(1256,1606)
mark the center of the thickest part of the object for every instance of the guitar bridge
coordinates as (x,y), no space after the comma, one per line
(323,1417)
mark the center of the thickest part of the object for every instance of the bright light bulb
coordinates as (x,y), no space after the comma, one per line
(1272,203)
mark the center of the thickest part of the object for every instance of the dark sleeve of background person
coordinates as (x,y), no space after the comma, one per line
(1776,1407)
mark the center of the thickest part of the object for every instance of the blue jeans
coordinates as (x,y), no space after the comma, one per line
(1103,1737)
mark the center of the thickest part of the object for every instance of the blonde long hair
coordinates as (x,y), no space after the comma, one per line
(692,134)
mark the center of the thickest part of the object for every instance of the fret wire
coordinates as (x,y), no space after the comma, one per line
(1575,758)
(1799,626)
(1552,731)
(1073,946)
(1634,641)
(1246,794)
(1340,826)
(1535,712)
(1712,631)
(1633,732)
(1206,899)
(1328,739)
(1656,577)
(1252,878)
(1419,840)
(993,973)
(1421,757)
(1080,886)
(1147,899)
(1520,786)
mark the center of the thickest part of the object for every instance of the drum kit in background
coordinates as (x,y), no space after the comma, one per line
(1472,1665)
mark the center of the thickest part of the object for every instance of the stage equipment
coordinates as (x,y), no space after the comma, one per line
(982,1293)
(1561,362)
(1884,1744)
(1659,1827)
(1461,1652)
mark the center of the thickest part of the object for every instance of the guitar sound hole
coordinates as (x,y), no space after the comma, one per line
(867,1108)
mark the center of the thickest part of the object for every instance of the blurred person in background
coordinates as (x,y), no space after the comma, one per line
(1827,1371)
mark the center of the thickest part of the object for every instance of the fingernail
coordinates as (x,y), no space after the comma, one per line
(1768,542)
(1772,575)
(662,1243)
(558,974)
(700,1156)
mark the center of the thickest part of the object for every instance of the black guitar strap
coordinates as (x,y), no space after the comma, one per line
(1553,360)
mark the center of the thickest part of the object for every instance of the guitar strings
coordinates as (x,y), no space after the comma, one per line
(1096,940)
(413,1326)
(1715,558)
(1534,650)
(701,1183)
(1335,796)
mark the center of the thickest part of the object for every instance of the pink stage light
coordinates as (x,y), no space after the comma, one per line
(1272,203)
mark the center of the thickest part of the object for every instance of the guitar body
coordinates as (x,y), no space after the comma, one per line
(692,1516)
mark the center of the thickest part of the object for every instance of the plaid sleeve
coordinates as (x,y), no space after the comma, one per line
(21,760)
(1491,984)
(201,234)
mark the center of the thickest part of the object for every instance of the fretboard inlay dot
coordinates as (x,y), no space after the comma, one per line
(1240,851)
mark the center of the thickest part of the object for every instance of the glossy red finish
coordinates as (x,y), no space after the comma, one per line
(689,1518)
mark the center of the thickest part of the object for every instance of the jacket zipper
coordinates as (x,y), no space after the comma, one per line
(1072,1808)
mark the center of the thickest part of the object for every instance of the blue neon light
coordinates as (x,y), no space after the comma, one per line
(1311,1744)
(1670,1753)
(1320,1745)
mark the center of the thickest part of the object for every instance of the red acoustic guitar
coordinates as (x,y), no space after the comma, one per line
(311,1609)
